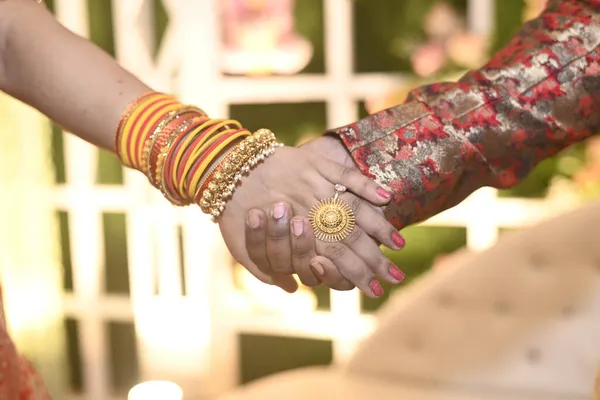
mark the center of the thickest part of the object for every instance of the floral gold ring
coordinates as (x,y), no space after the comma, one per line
(332,219)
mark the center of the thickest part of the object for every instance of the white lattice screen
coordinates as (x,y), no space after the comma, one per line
(190,48)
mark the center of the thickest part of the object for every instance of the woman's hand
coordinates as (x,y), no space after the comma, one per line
(301,177)
(270,240)
(267,238)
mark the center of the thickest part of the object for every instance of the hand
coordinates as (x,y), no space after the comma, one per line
(275,240)
(300,177)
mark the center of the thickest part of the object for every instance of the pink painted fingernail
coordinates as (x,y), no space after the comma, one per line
(298,227)
(398,240)
(253,220)
(318,268)
(278,210)
(376,288)
(396,273)
(384,193)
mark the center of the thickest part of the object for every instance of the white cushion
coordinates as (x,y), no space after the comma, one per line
(333,384)
(523,316)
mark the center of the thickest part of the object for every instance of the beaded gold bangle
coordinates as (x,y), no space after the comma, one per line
(238,162)
(168,118)
(159,177)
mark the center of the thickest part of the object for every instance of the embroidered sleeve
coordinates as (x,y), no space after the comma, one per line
(537,96)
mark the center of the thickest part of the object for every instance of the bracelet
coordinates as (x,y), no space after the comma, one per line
(124,118)
(218,149)
(162,123)
(189,157)
(126,127)
(238,162)
(161,179)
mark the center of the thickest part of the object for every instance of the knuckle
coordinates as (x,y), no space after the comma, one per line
(344,175)
(383,265)
(334,252)
(356,205)
(281,267)
(356,272)
(301,251)
(276,236)
(382,232)
(366,186)
(354,236)
(276,256)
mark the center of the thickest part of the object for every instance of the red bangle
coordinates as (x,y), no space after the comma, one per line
(143,131)
(162,139)
(170,159)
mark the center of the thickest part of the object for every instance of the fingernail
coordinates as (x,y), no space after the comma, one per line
(396,273)
(298,227)
(384,193)
(318,268)
(253,220)
(278,211)
(398,240)
(376,288)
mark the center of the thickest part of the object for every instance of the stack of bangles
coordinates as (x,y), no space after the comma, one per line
(188,156)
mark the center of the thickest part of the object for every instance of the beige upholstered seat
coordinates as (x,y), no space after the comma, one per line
(519,321)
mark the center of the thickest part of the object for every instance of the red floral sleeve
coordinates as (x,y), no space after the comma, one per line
(537,96)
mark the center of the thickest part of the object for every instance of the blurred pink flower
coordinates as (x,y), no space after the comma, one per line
(467,50)
(441,21)
(428,59)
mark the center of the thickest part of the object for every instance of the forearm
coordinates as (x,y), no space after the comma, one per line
(64,76)
(534,98)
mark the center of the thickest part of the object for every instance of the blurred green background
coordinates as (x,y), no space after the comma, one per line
(380,24)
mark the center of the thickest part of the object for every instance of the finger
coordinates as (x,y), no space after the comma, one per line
(303,249)
(352,267)
(285,282)
(255,237)
(354,181)
(278,246)
(329,274)
(256,242)
(373,222)
(370,253)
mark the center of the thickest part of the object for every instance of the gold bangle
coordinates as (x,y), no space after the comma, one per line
(240,161)
(168,118)
(159,178)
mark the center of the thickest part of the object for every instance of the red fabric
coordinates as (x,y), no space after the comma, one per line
(18,378)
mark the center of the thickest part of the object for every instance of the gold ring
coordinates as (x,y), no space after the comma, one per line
(332,219)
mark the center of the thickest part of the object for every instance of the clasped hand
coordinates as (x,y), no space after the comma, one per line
(266,229)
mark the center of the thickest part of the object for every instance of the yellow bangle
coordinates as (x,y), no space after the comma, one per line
(196,178)
(193,135)
(162,158)
(151,117)
(166,119)
(209,137)
(125,118)
(130,129)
